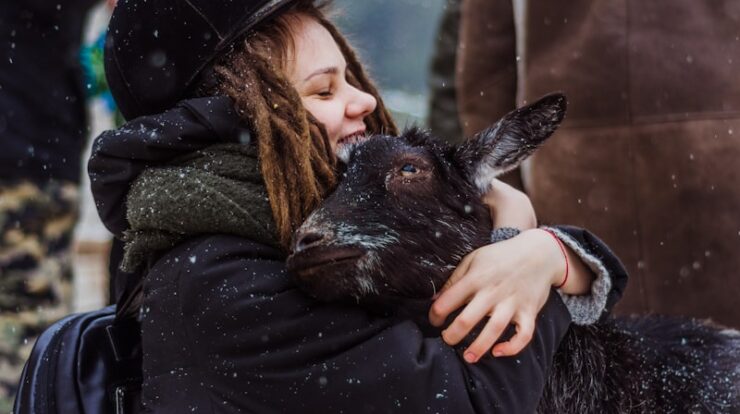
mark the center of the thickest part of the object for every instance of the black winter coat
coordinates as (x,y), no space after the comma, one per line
(225,329)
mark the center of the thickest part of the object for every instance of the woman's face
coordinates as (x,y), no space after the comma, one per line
(317,69)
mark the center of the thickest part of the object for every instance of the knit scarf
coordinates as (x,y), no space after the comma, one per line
(216,190)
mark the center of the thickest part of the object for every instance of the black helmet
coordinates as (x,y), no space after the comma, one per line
(155,49)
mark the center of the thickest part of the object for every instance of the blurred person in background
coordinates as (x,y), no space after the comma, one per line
(649,154)
(43,127)
(443,118)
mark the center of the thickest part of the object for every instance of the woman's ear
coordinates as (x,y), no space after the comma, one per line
(503,146)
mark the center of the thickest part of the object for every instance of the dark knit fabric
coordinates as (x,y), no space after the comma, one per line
(504,233)
(218,190)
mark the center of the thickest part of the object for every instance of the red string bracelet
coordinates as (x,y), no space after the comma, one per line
(565,256)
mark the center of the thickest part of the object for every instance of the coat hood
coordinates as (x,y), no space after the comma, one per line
(155,49)
(191,170)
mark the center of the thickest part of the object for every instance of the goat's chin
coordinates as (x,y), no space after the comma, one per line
(328,283)
(329,273)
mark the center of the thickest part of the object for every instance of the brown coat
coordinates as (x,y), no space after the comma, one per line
(649,155)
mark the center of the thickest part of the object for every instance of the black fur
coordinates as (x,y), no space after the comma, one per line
(648,364)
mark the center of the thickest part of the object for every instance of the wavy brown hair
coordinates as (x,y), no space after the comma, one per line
(297,163)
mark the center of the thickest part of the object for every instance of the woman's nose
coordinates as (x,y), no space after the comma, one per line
(361,104)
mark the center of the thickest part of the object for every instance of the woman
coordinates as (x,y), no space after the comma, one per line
(223,327)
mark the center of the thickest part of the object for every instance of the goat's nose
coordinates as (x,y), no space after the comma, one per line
(306,239)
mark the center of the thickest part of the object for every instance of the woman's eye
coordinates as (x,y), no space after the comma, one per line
(325,94)
(408,169)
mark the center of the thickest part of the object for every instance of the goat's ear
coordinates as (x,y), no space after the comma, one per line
(503,146)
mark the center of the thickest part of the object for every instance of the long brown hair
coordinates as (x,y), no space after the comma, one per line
(296,159)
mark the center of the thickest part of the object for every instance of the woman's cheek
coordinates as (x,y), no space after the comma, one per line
(331,115)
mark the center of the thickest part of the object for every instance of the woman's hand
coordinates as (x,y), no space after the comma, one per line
(509,207)
(510,282)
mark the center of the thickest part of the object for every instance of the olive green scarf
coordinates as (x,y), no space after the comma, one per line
(216,190)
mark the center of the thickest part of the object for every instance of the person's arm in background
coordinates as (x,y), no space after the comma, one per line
(443,119)
(486,74)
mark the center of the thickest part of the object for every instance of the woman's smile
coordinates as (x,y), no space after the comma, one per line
(355,137)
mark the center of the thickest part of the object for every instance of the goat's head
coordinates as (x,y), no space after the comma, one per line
(408,208)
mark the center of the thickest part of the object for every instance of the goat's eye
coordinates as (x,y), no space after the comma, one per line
(408,169)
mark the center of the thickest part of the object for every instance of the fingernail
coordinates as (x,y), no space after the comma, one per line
(470,357)
(498,353)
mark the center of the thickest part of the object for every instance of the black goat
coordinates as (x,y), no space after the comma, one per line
(408,209)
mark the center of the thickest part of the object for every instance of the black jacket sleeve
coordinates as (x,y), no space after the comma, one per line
(119,156)
(225,330)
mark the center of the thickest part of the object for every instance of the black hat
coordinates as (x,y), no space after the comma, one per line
(155,49)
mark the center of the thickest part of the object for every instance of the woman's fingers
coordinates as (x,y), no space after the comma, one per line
(493,329)
(450,300)
(459,272)
(473,313)
(524,330)
(447,300)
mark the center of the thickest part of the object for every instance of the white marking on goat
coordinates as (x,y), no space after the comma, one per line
(444,223)
(366,264)
(345,151)
(315,219)
(463,234)
(486,173)
(368,271)
(366,284)
(349,234)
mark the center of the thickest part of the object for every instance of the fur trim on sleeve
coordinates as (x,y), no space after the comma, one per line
(586,309)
